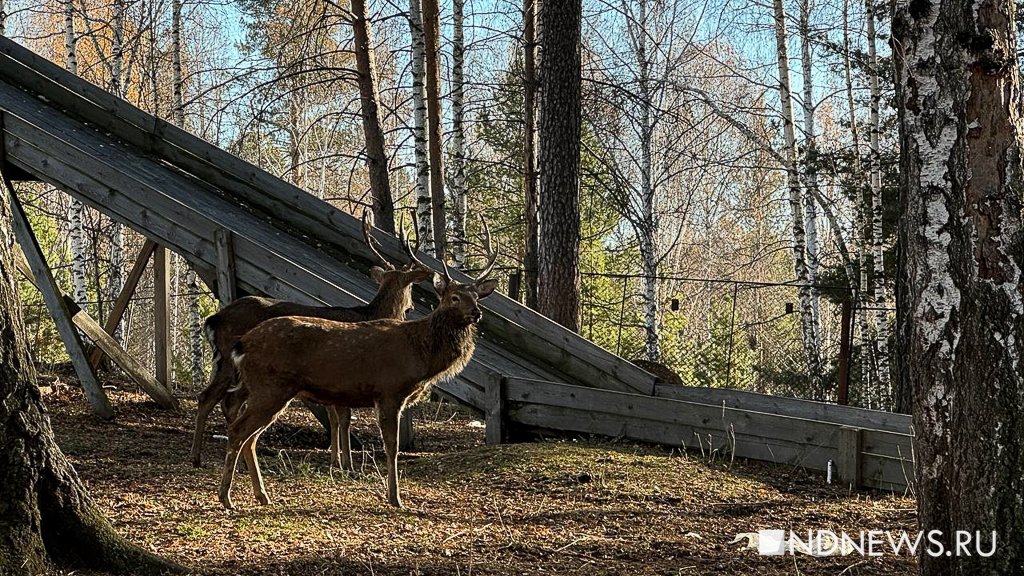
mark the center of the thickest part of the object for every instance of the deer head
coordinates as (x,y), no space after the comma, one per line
(462,299)
(396,280)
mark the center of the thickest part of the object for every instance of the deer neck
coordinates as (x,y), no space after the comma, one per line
(449,345)
(387,304)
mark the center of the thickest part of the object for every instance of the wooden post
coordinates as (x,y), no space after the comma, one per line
(161,315)
(58,310)
(515,281)
(227,289)
(495,432)
(123,299)
(843,363)
(849,456)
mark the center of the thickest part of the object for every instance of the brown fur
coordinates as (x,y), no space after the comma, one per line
(226,327)
(384,363)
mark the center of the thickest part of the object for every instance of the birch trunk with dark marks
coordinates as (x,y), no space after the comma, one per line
(810,171)
(376,158)
(647,225)
(530,151)
(432,60)
(76,210)
(877,254)
(424,221)
(3,18)
(458,137)
(811,352)
(558,271)
(962,288)
(116,272)
(46,516)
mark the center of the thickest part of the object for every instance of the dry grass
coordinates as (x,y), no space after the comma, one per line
(553,507)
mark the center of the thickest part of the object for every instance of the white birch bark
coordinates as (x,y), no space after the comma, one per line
(648,230)
(3,18)
(810,171)
(116,273)
(424,218)
(76,211)
(877,256)
(458,136)
(795,197)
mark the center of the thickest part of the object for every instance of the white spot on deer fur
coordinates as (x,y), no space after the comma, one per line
(237,358)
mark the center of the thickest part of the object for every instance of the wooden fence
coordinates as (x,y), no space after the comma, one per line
(866,448)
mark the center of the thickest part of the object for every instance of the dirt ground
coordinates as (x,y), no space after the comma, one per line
(556,506)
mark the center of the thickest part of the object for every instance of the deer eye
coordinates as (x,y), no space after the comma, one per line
(455,299)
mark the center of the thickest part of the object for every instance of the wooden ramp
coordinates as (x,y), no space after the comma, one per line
(237,224)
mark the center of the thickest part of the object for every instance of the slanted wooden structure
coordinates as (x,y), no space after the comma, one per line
(244,230)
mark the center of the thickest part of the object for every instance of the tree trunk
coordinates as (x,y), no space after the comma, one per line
(424,222)
(432,47)
(877,258)
(529,150)
(376,159)
(795,199)
(458,137)
(558,278)
(115,278)
(76,210)
(963,286)
(45,513)
(810,175)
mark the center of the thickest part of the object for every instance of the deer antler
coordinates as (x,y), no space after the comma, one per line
(411,250)
(372,243)
(491,253)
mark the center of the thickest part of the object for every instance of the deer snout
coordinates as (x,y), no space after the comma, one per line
(476,315)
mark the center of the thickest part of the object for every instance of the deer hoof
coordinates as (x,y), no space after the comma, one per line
(226,502)
(263,499)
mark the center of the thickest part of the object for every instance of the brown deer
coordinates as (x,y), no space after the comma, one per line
(223,329)
(387,364)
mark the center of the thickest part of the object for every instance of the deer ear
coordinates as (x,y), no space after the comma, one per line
(439,285)
(484,289)
(377,273)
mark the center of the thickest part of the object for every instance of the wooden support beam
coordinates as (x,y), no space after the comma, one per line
(124,298)
(162,315)
(850,442)
(495,423)
(58,310)
(106,343)
(227,289)
(406,433)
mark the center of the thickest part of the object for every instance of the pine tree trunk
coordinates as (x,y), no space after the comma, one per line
(810,342)
(529,150)
(458,137)
(432,59)
(376,158)
(877,255)
(558,278)
(45,513)
(963,282)
(424,221)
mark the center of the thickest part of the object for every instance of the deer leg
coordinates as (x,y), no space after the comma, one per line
(344,431)
(333,424)
(208,398)
(256,417)
(249,452)
(387,419)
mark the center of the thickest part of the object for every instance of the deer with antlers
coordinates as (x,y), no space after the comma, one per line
(386,364)
(226,327)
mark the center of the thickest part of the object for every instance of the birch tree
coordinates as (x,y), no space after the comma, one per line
(76,210)
(424,218)
(530,193)
(810,169)
(432,60)
(962,309)
(877,254)
(810,342)
(114,280)
(458,135)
